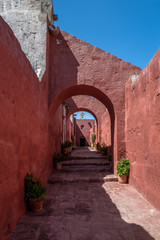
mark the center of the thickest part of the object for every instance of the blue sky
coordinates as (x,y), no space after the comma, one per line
(128,29)
(88,115)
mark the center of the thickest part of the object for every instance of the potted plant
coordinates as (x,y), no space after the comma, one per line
(123,167)
(98,147)
(93,138)
(58,158)
(35,192)
(104,149)
(95,146)
(67,147)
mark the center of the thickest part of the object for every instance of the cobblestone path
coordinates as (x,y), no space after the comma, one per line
(85,202)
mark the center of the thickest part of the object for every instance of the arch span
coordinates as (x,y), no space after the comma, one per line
(82,109)
(90,91)
(83,90)
(100,111)
(86,110)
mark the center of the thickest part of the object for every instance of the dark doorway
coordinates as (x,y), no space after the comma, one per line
(82,141)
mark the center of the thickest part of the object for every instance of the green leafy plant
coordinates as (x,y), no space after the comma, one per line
(123,167)
(93,137)
(95,145)
(67,144)
(34,188)
(98,146)
(73,140)
(104,148)
(58,157)
(109,157)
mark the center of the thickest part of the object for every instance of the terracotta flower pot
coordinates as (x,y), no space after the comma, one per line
(59,165)
(36,205)
(122,179)
(65,150)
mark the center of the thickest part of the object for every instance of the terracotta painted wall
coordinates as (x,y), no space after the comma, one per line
(24,138)
(143,130)
(30,133)
(79,68)
(69,130)
(105,129)
(89,104)
(86,131)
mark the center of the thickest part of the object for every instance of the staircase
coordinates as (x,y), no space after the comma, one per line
(84,165)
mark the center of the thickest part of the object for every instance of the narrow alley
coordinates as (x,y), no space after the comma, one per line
(85,202)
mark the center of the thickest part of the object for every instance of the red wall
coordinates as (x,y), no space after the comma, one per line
(89,104)
(143,130)
(30,132)
(105,129)
(79,68)
(24,138)
(86,131)
(69,130)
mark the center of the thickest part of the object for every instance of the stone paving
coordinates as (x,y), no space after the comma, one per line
(84,210)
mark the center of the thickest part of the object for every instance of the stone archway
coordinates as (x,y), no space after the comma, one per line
(96,128)
(91,91)
(98,110)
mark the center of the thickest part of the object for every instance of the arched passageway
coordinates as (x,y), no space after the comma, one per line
(83,127)
(83,90)
(78,68)
(94,92)
(98,110)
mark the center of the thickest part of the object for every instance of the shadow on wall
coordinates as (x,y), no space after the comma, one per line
(81,138)
(64,68)
(88,214)
(67,80)
(63,71)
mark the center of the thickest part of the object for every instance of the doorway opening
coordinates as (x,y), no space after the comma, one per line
(82,141)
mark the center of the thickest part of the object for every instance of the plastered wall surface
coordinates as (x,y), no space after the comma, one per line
(143,130)
(25,142)
(84,128)
(105,129)
(30,126)
(93,106)
(79,68)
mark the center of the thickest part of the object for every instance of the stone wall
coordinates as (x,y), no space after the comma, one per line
(143,130)
(28,20)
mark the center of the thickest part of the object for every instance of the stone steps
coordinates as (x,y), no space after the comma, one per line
(86,162)
(80,177)
(85,168)
(82,158)
(83,165)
